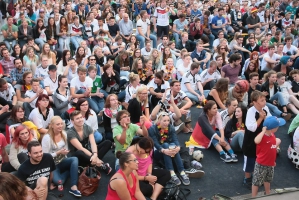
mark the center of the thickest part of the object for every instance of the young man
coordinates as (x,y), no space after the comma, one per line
(143,30)
(185,43)
(232,69)
(164,43)
(37,170)
(295,83)
(7,94)
(147,50)
(253,21)
(113,29)
(253,126)
(88,32)
(7,63)
(201,56)
(41,71)
(157,86)
(17,73)
(81,85)
(266,150)
(10,33)
(270,59)
(191,84)
(227,114)
(51,82)
(210,76)
(180,25)
(218,22)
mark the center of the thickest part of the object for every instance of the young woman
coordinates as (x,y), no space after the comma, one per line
(139,107)
(136,54)
(169,70)
(80,56)
(185,66)
(134,41)
(235,129)
(55,143)
(251,68)
(39,34)
(86,48)
(23,86)
(111,108)
(90,118)
(18,117)
(123,61)
(151,180)
(17,52)
(132,87)
(223,51)
(100,57)
(124,183)
(18,149)
(30,60)
(155,57)
(168,147)
(219,93)
(145,74)
(166,53)
(42,114)
(253,57)
(63,33)
(66,54)
(51,34)
(31,15)
(205,133)
(46,51)
(62,97)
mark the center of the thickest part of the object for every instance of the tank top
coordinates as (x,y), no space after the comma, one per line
(209,97)
(112,194)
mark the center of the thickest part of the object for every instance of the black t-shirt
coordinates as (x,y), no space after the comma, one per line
(113,29)
(257,87)
(29,173)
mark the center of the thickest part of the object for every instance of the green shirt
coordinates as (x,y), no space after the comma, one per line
(14,29)
(97,83)
(292,10)
(131,132)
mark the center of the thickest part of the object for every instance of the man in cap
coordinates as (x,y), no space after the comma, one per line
(253,21)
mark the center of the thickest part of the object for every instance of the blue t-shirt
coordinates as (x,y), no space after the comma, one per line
(218,21)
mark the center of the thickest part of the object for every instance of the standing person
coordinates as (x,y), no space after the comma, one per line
(124,183)
(253,126)
(266,145)
(37,170)
(55,143)
(82,144)
(143,30)
(161,19)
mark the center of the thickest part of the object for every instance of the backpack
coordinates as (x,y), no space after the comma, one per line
(173,192)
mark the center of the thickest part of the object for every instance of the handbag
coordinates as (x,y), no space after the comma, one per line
(89,181)
(173,192)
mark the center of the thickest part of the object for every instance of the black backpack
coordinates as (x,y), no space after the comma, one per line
(173,192)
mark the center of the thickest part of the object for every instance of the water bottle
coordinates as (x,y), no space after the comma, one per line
(60,188)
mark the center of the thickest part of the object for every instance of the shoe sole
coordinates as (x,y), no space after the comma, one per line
(226,161)
(197,174)
(234,160)
(75,194)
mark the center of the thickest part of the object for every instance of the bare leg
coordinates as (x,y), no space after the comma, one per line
(267,188)
(247,175)
(218,148)
(255,189)
(294,100)
(157,190)
(293,108)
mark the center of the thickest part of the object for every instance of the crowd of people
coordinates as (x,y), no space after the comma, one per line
(136,68)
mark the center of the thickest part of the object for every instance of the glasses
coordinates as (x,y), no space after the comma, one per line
(135,160)
(127,116)
(137,52)
(92,59)
(84,105)
(20,111)
(45,100)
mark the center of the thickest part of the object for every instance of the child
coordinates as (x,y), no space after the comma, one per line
(253,125)
(266,154)
(295,86)
(287,93)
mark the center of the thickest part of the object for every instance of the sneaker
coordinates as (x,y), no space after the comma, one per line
(175,179)
(287,116)
(106,168)
(234,158)
(194,173)
(76,193)
(179,127)
(226,158)
(196,165)
(185,179)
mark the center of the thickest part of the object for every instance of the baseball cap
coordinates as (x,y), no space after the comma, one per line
(254,9)
(273,122)
(284,59)
(52,67)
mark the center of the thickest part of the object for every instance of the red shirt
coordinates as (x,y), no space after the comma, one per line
(266,150)
(112,194)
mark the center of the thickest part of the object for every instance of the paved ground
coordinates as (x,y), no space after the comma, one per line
(220,177)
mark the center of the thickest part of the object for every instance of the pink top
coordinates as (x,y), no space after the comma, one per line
(216,121)
(143,164)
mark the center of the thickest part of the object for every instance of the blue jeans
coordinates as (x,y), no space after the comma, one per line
(278,97)
(76,40)
(274,110)
(215,141)
(98,137)
(211,40)
(67,167)
(194,97)
(8,45)
(122,95)
(168,160)
(64,43)
(237,142)
(176,37)
(97,104)
(40,43)
(141,40)
(124,73)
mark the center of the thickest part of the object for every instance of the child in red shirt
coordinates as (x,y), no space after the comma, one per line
(266,145)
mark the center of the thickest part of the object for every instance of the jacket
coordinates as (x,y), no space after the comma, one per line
(84,34)
(21,35)
(189,46)
(135,110)
(106,79)
(265,87)
(49,34)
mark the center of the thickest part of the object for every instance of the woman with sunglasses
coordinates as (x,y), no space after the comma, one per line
(124,183)
(151,180)
(42,114)
(18,149)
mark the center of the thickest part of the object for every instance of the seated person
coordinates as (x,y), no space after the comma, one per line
(157,87)
(132,87)
(239,92)
(55,143)
(151,180)
(205,133)
(231,70)
(210,76)
(37,170)
(42,114)
(119,183)
(82,144)
(219,93)
(3,154)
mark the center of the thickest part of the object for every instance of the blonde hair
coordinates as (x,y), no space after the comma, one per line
(139,90)
(268,74)
(133,77)
(51,132)
(155,60)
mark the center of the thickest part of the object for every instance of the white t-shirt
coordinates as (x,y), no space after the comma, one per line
(296,139)
(162,16)
(9,93)
(30,94)
(181,68)
(145,53)
(264,63)
(205,75)
(48,82)
(293,50)
(77,84)
(38,119)
(143,26)
(130,90)
(284,89)
(41,72)
(153,85)
(189,78)
(95,25)
(178,99)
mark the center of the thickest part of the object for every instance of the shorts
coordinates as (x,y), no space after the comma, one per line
(248,164)
(262,174)
(162,30)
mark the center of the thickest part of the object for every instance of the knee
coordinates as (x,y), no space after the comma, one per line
(165,145)
(74,160)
